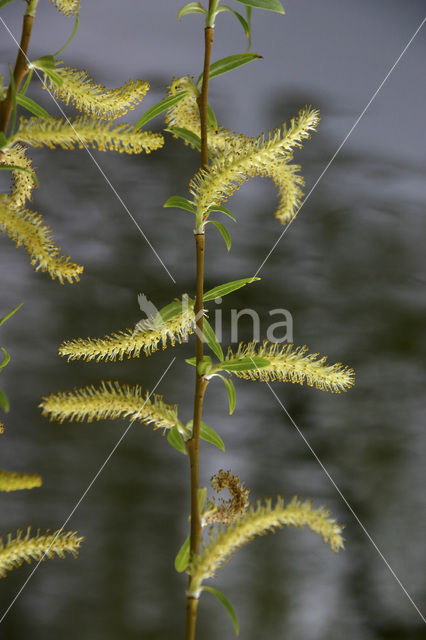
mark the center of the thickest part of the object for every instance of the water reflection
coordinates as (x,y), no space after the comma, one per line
(349,270)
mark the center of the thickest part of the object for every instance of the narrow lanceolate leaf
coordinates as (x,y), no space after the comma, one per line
(211,118)
(260,520)
(23,182)
(6,358)
(11,481)
(287,363)
(187,136)
(221,209)
(4,401)
(247,157)
(228,64)
(111,401)
(228,606)
(182,558)
(240,18)
(27,228)
(13,94)
(10,314)
(175,440)
(86,132)
(269,5)
(179,203)
(14,551)
(223,232)
(191,7)
(32,106)
(77,88)
(211,339)
(232,396)
(67,7)
(228,287)
(147,337)
(208,434)
(160,107)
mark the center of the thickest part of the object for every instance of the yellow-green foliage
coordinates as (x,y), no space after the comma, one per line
(258,521)
(22,181)
(84,131)
(111,401)
(11,481)
(27,228)
(94,99)
(240,157)
(147,337)
(293,364)
(67,7)
(26,548)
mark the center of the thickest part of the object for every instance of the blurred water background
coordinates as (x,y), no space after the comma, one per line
(351,270)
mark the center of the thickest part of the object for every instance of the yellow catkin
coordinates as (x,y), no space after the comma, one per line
(223,141)
(11,481)
(293,364)
(109,402)
(26,548)
(67,7)
(146,337)
(105,136)
(94,99)
(247,158)
(27,228)
(22,182)
(223,543)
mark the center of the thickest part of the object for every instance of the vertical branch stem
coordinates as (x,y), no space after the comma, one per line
(21,67)
(193,445)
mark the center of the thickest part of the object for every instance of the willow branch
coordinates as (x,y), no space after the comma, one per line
(21,66)
(193,445)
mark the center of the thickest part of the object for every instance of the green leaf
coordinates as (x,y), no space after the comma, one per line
(228,606)
(170,311)
(219,207)
(239,17)
(10,314)
(269,5)
(158,108)
(4,402)
(55,77)
(191,361)
(10,167)
(45,62)
(32,106)
(205,365)
(175,439)
(230,390)
(228,64)
(183,555)
(3,140)
(70,39)
(3,3)
(224,232)
(186,135)
(191,7)
(245,364)
(208,434)
(26,84)
(202,497)
(211,339)
(211,118)
(227,287)
(6,358)
(13,94)
(180,203)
